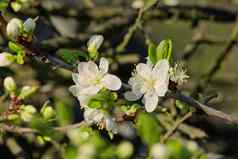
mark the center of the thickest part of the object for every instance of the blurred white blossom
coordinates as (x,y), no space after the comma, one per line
(86,151)
(178,74)
(159,151)
(5,59)
(149,81)
(95,116)
(14,28)
(90,79)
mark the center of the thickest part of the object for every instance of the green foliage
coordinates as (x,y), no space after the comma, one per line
(64,113)
(27,91)
(19,50)
(149,128)
(149,3)
(177,149)
(103,100)
(71,56)
(44,127)
(3,4)
(162,51)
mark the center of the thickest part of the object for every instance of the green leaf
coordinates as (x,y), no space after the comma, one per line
(3,4)
(44,127)
(64,113)
(164,50)
(148,128)
(149,3)
(15,47)
(177,149)
(103,99)
(71,56)
(152,53)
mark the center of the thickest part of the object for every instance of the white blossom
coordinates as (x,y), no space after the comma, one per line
(5,59)
(150,82)
(29,25)
(95,116)
(178,74)
(94,43)
(90,79)
(159,151)
(14,28)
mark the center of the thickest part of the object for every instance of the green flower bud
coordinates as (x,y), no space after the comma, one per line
(27,91)
(16,6)
(125,149)
(14,28)
(9,84)
(48,112)
(13,117)
(27,112)
(6,59)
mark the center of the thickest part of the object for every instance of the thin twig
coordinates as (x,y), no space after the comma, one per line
(177,123)
(16,129)
(208,110)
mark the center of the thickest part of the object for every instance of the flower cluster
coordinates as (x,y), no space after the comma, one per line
(89,81)
(16,28)
(149,81)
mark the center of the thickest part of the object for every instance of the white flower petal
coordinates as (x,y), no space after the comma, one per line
(111,82)
(150,101)
(103,65)
(161,70)
(161,87)
(92,68)
(74,90)
(143,70)
(93,116)
(131,96)
(75,78)
(92,90)
(81,67)
(83,100)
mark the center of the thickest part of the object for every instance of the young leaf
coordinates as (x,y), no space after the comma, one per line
(152,53)
(71,56)
(148,128)
(3,4)
(15,47)
(164,50)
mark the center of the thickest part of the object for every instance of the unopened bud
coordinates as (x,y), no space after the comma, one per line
(27,113)
(94,43)
(16,6)
(14,28)
(48,112)
(29,25)
(125,150)
(9,84)
(159,151)
(27,91)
